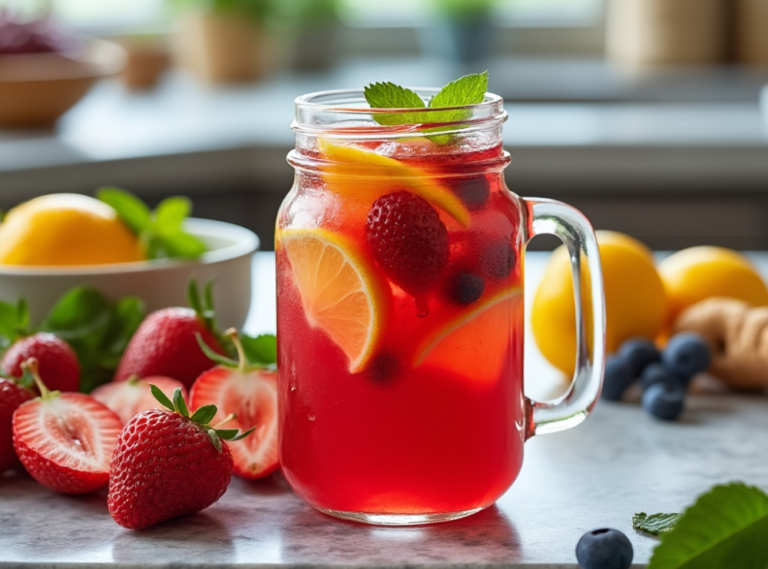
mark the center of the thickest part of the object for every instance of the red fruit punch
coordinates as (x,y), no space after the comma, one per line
(59,368)
(11,396)
(165,344)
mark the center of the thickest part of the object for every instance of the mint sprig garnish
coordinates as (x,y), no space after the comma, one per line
(654,524)
(468,90)
(202,416)
(726,527)
(161,232)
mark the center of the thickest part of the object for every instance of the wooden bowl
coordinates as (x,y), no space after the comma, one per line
(36,89)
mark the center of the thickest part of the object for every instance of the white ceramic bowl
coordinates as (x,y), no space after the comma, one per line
(160,283)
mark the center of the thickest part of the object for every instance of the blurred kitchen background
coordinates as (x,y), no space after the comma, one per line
(645,114)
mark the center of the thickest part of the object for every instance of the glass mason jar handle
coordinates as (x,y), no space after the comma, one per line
(570,225)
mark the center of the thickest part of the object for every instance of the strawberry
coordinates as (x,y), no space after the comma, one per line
(165,343)
(168,464)
(130,397)
(250,394)
(65,440)
(11,396)
(58,366)
(408,240)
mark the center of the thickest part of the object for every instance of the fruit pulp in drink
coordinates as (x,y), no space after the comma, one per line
(432,419)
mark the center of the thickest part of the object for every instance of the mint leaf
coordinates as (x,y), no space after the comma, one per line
(182,245)
(726,527)
(468,90)
(134,212)
(261,350)
(655,524)
(161,232)
(391,96)
(171,213)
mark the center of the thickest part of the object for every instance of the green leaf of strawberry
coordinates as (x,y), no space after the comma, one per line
(14,322)
(161,232)
(202,416)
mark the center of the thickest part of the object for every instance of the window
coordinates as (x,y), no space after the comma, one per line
(132,14)
(409,13)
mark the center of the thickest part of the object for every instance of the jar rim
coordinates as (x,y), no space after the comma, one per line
(309,101)
(345,113)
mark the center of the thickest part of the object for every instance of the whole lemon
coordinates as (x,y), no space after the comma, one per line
(66,229)
(698,273)
(635,300)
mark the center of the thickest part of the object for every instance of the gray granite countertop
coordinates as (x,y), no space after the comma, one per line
(619,462)
(616,464)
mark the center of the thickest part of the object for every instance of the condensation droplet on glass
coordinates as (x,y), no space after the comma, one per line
(311,417)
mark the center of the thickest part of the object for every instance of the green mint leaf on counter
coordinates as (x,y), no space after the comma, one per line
(726,527)
(161,232)
(654,524)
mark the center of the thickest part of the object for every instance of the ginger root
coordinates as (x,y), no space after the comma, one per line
(737,334)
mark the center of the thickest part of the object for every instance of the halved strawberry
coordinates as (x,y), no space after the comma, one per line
(131,397)
(65,440)
(250,394)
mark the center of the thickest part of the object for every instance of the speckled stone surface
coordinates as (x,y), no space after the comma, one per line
(617,463)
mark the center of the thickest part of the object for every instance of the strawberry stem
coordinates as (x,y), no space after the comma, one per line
(241,361)
(226,420)
(33,366)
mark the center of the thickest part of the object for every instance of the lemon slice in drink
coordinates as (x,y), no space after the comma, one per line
(340,291)
(477,343)
(365,175)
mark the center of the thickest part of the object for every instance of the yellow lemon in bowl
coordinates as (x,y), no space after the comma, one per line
(698,273)
(66,230)
(635,299)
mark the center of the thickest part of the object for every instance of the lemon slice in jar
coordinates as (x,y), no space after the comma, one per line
(365,175)
(476,343)
(340,290)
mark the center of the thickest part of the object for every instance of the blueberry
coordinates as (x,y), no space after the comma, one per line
(686,355)
(384,369)
(474,191)
(498,259)
(466,288)
(618,377)
(664,400)
(658,373)
(639,353)
(604,549)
